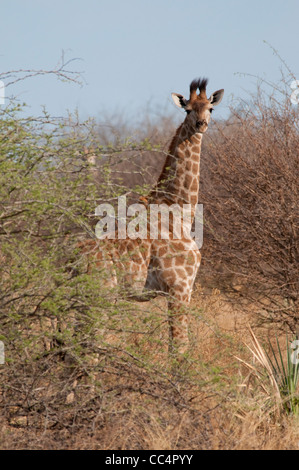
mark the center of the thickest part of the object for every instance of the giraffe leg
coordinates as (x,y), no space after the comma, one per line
(178,324)
(175,272)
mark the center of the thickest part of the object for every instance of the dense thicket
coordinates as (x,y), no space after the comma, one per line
(54,317)
(250,191)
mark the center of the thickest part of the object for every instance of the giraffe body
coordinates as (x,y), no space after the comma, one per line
(156,265)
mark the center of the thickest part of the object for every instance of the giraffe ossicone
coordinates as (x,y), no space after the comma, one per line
(164,260)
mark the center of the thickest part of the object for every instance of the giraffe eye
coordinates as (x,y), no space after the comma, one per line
(211,110)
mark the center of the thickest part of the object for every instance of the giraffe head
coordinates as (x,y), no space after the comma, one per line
(198,107)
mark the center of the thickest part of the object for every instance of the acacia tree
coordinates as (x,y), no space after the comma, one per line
(53,315)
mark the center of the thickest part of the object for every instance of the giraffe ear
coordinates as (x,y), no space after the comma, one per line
(216,97)
(179,100)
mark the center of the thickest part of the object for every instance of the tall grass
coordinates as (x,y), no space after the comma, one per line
(286,373)
(281,369)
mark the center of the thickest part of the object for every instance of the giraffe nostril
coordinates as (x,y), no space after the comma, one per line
(200,123)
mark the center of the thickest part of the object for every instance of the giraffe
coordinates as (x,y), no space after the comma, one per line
(153,265)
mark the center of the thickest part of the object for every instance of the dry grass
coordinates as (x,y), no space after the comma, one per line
(216,402)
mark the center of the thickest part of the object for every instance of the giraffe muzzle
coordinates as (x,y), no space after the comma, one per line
(202,123)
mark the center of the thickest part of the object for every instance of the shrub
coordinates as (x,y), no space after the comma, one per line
(250,190)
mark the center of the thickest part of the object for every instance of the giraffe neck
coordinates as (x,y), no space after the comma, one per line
(179,180)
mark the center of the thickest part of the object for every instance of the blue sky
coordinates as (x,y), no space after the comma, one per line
(136,52)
